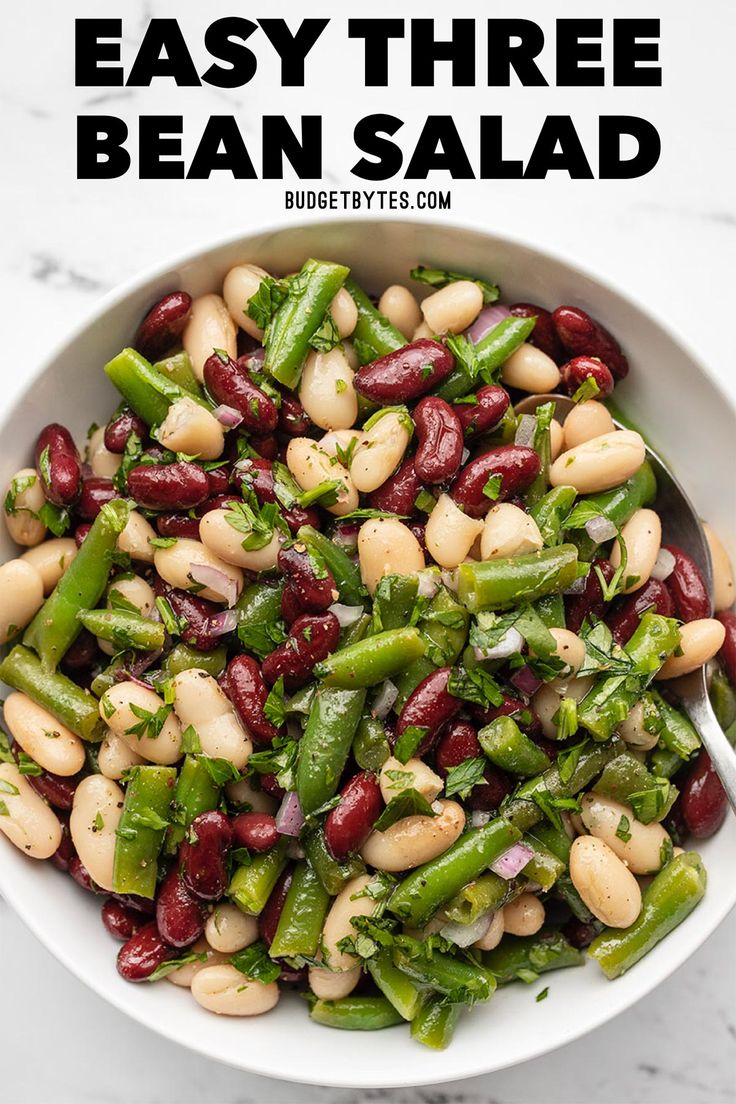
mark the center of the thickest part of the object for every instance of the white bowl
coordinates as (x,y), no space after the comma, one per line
(686,417)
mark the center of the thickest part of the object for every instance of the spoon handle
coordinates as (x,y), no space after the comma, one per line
(697,706)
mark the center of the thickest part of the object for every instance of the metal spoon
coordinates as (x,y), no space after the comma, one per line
(680,526)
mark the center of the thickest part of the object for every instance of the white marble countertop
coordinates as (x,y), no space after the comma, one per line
(669,240)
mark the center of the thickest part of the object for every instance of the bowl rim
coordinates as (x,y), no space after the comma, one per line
(620,1000)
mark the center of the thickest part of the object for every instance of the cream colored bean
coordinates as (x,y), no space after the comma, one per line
(136,537)
(189,427)
(209,327)
(524,915)
(103,462)
(310,467)
(585,421)
(450,533)
(494,933)
(570,649)
(51,744)
(723,584)
(199,701)
(185,975)
(344,312)
(546,701)
(599,464)
(25,497)
(219,536)
(340,437)
(453,308)
(387,547)
(556,439)
(642,535)
(699,642)
(94,820)
(642,852)
(229,930)
(115,756)
(412,775)
(21,596)
(529,369)
(422,331)
(225,991)
(326,390)
(27,820)
(242,793)
(174,565)
(338,924)
(509,531)
(382,451)
(136,591)
(633,732)
(115,710)
(240,284)
(414,840)
(607,887)
(401,308)
(333,986)
(51,559)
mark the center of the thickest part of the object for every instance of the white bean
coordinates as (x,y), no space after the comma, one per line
(524,915)
(642,851)
(184,976)
(509,531)
(387,547)
(209,327)
(422,331)
(633,732)
(450,533)
(21,596)
(51,559)
(333,986)
(224,990)
(242,793)
(723,585)
(326,390)
(585,421)
(229,930)
(25,817)
(115,709)
(399,306)
(601,463)
(699,642)
(414,840)
(240,284)
(199,701)
(453,308)
(174,565)
(115,756)
(642,535)
(556,439)
(386,440)
(134,590)
(191,428)
(607,887)
(103,462)
(339,921)
(344,312)
(94,820)
(25,498)
(529,369)
(219,536)
(51,744)
(310,467)
(494,933)
(570,649)
(546,701)
(342,437)
(135,538)
(412,775)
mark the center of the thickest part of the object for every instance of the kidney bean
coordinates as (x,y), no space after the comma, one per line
(81,532)
(579,933)
(269,785)
(418,528)
(623,618)
(247,691)
(311,639)
(429,706)
(65,852)
(197,613)
(727,654)
(268,447)
(703,799)
(182,525)
(179,915)
(577,370)
(487,796)
(589,602)
(138,904)
(313,592)
(178,486)
(291,978)
(518,467)
(120,922)
(582,335)
(257,475)
(81,653)
(544,335)
(229,382)
(143,953)
(203,855)
(440,440)
(268,921)
(349,824)
(484,414)
(458,743)
(163,325)
(58,465)
(81,875)
(406,373)
(687,586)
(510,707)
(120,428)
(399,493)
(219,480)
(293,418)
(256,831)
(57,790)
(290,605)
(96,491)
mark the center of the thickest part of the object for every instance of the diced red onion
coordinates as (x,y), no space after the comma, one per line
(290,818)
(216,580)
(526,681)
(600,529)
(256,358)
(577,586)
(228,416)
(486,321)
(512,861)
(383,704)
(428,584)
(664,565)
(464,935)
(127,677)
(526,430)
(222,623)
(479,817)
(346,536)
(511,641)
(346,615)
(132,671)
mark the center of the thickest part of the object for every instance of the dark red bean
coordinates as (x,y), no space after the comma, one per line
(579,933)
(589,602)
(399,493)
(229,382)
(577,371)
(269,785)
(66,851)
(458,743)
(518,467)
(293,418)
(57,790)
(138,904)
(267,447)
(703,799)
(203,855)
(96,491)
(219,480)
(120,428)
(81,653)
(349,824)
(581,335)
(727,654)
(81,532)
(514,707)
(488,796)
(311,639)
(184,525)
(120,922)
(179,915)
(247,691)
(290,605)
(440,440)
(544,335)
(483,415)
(312,584)
(268,921)
(81,875)
(291,978)
(257,475)
(405,374)
(623,618)
(256,831)
(143,953)
(58,465)
(196,613)
(687,586)
(418,528)
(163,325)
(429,706)
(178,486)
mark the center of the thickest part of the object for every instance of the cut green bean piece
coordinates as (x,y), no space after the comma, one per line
(182,657)
(554,839)
(373,336)
(195,792)
(74,707)
(510,749)
(395,985)
(124,630)
(299,317)
(140,834)
(370,745)
(178,369)
(435,1022)
(538,953)
(550,511)
(148,392)
(677,733)
(506,582)
(618,505)
(259,604)
(489,891)
(372,660)
(491,353)
(302,917)
(723,699)
(250,886)
(394,601)
(408,680)
(332,874)
(627,780)
(325,745)
(355,1013)
(345,573)
(462,981)
(544,867)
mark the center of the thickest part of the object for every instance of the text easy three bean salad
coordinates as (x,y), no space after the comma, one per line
(330,672)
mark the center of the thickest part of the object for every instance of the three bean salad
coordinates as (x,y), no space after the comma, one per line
(333,672)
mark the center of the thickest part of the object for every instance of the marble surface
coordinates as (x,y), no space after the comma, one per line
(668,239)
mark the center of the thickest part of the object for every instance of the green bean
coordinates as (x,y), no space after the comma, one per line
(394,601)
(182,657)
(195,792)
(178,369)
(373,336)
(553,838)
(489,891)
(332,874)
(108,676)
(408,679)
(300,703)
(551,609)
(395,985)
(723,699)
(124,629)
(493,351)
(259,604)
(140,834)
(250,886)
(503,583)
(550,511)
(445,626)
(351,634)
(372,660)
(544,867)
(543,447)
(435,1023)
(345,573)
(677,733)
(670,897)
(664,763)
(538,953)
(302,917)
(325,745)
(57,624)
(465,981)
(370,745)
(148,392)
(355,1013)
(627,780)
(299,317)
(74,707)
(510,749)
(618,505)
